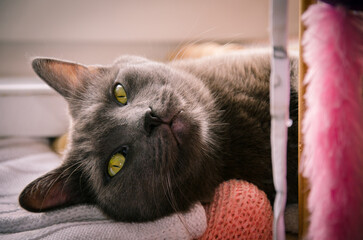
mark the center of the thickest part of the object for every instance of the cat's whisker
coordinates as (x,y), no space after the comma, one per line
(235,38)
(164,183)
(70,175)
(80,181)
(154,186)
(156,149)
(166,161)
(194,41)
(166,191)
(182,46)
(170,192)
(53,182)
(50,186)
(189,34)
(173,200)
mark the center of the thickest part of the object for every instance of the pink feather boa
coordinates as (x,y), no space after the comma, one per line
(333,123)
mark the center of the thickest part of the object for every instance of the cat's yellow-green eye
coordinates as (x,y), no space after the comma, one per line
(115,164)
(120,94)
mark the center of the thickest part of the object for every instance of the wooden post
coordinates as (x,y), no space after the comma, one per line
(303,183)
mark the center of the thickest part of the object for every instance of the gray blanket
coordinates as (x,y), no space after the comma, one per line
(22,160)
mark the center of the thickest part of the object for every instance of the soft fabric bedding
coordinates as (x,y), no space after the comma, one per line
(24,159)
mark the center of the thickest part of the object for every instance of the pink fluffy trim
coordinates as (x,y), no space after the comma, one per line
(333,123)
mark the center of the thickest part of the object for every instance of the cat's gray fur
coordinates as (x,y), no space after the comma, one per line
(216,126)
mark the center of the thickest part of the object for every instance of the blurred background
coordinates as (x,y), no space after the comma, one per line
(97,32)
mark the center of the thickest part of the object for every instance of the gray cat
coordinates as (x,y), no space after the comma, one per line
(148,139)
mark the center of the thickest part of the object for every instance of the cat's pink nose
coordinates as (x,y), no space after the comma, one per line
(151,121)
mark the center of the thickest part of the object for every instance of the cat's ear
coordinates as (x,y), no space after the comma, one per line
(53,190)
(67,78)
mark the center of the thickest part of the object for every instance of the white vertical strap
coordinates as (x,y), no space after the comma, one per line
(279,108)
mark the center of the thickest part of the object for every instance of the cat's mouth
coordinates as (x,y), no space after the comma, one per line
(179,127)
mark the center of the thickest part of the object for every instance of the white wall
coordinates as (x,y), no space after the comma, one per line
(91,31)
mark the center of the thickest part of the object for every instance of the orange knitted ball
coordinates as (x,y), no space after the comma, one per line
(239,210)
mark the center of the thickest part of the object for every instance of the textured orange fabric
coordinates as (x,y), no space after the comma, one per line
(239,210)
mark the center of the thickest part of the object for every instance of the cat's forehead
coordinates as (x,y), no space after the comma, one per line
(131,71)
(139,68)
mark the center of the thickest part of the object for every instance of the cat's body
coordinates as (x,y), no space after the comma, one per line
(242,90)
(186,127)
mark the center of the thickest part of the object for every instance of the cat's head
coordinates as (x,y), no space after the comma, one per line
(142,141)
